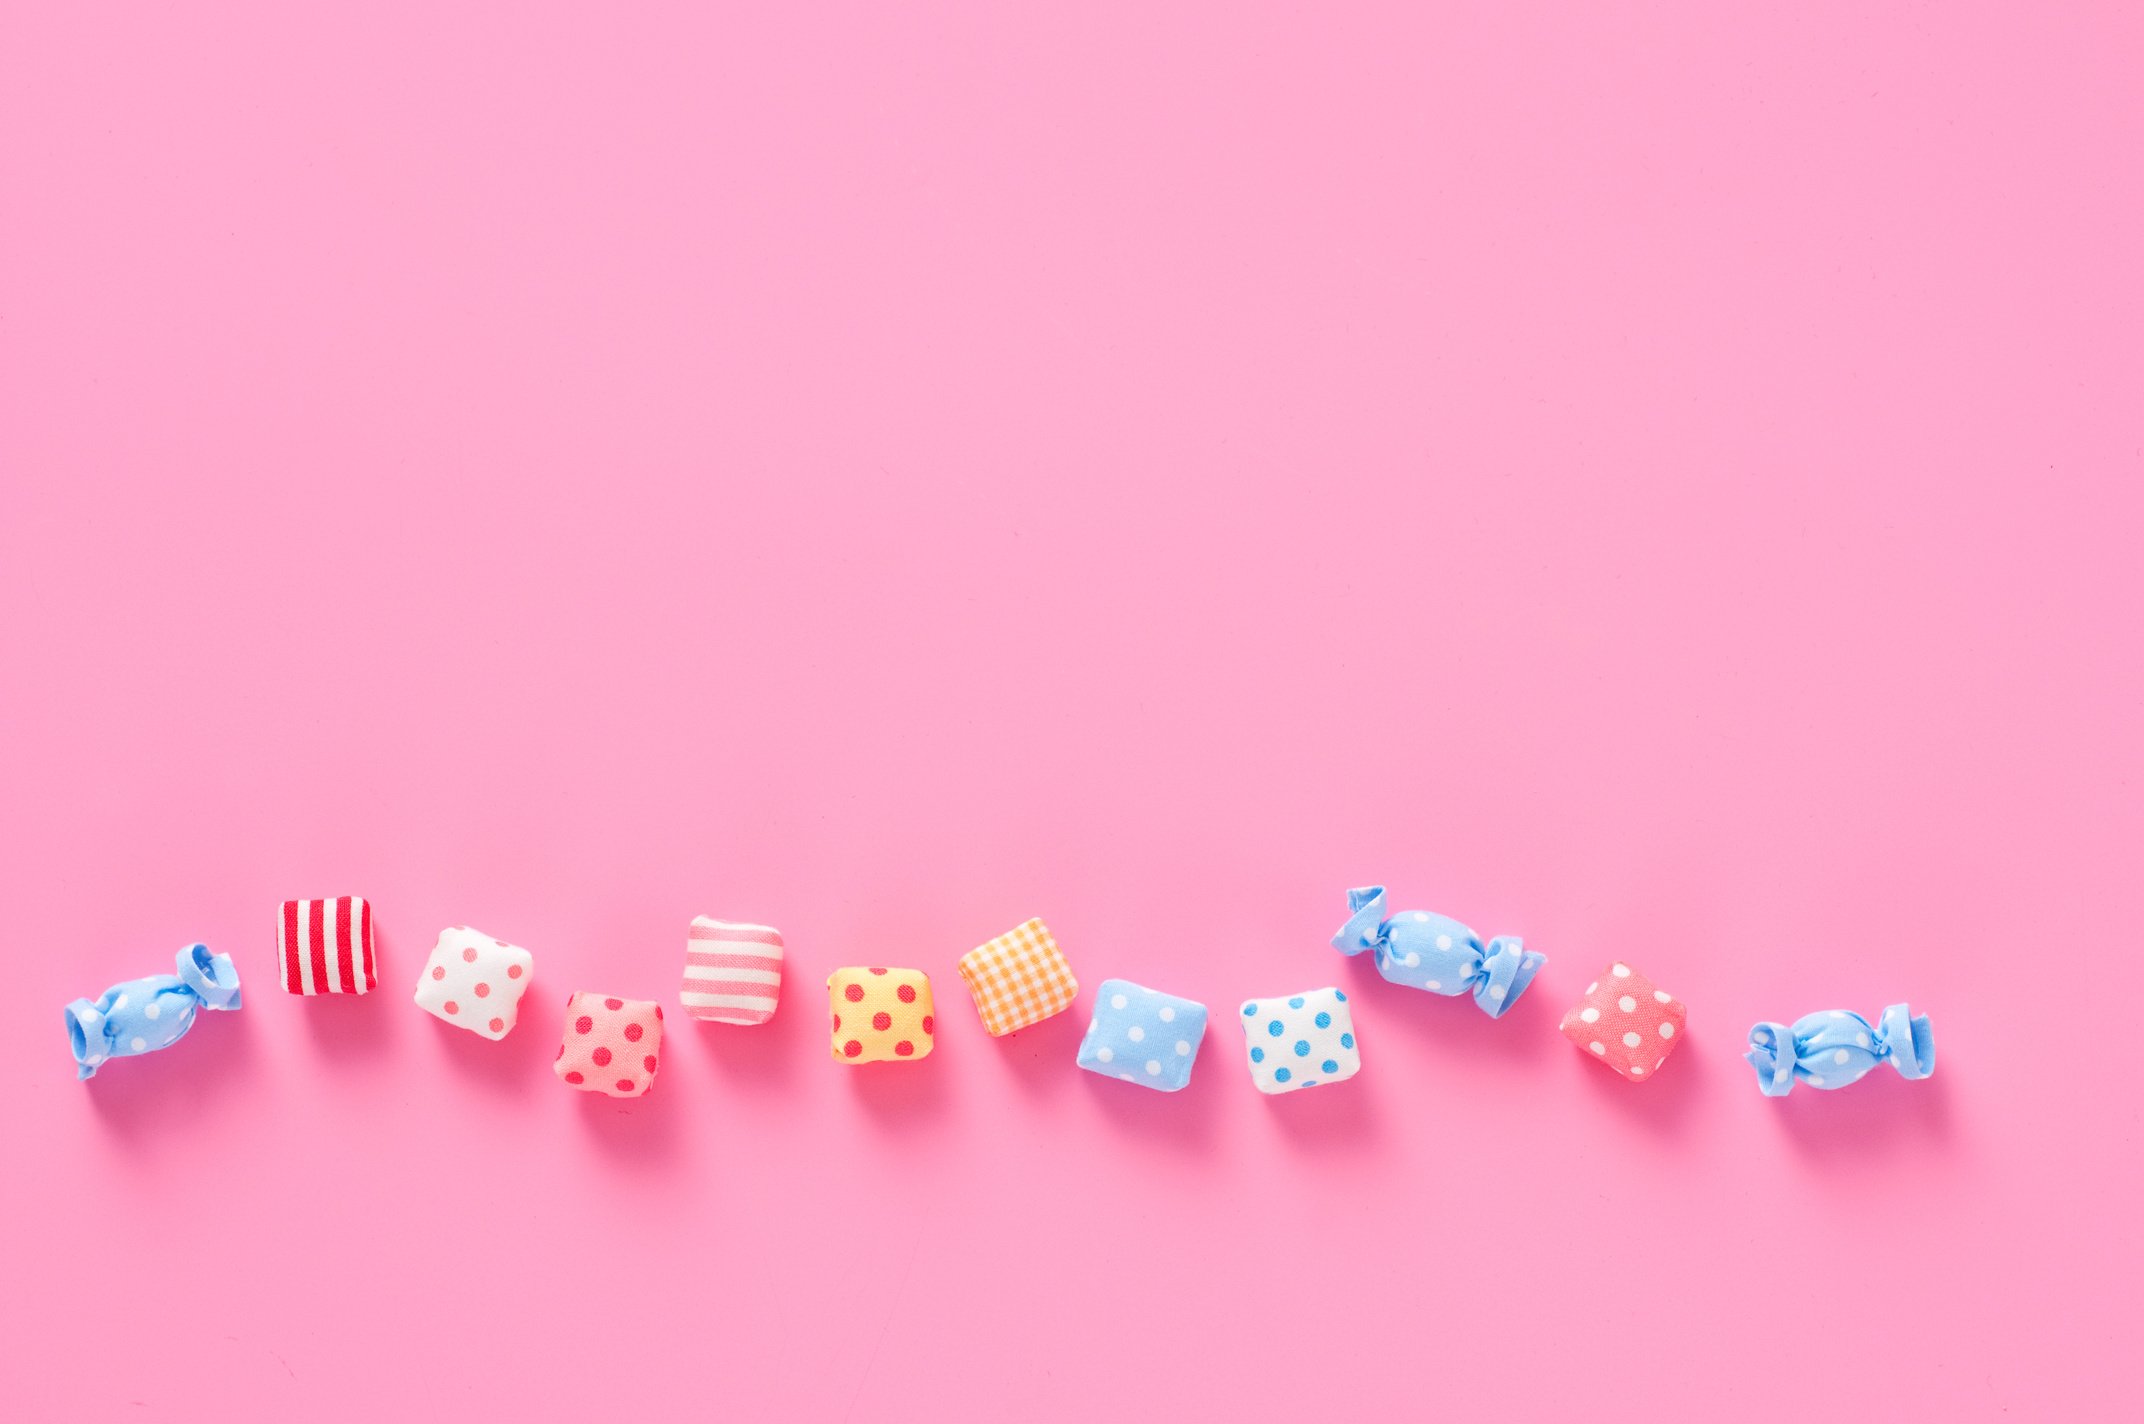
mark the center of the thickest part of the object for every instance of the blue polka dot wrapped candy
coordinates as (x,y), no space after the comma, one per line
(143,1015)
(1834,1048)
(1436,953)
(1303,1041)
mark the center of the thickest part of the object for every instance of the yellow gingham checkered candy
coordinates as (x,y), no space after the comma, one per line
(1018,979)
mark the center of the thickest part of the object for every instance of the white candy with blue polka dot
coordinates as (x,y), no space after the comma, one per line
(1303,1041)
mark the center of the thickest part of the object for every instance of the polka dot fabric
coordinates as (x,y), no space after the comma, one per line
(1437,954)
(611,1045)
(1834,1048)
(881,1015)
(1018,979)
(1626,1022)
(1143,1036)
(474,981)
(144,1015)
(1306,1040)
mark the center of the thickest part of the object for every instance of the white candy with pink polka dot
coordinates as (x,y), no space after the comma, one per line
(475,982)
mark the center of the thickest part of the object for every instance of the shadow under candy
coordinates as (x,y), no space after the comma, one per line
(1037,1056)
(756,1056)
(1872,1122)
(348,1027)
(516,1066)
(1452,1024)
(1330,1119)
(1186,1118)
(1664,1105)
(908,1091)
(645,1132)
(165,1090)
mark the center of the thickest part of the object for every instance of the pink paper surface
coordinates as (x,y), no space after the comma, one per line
(1664,482)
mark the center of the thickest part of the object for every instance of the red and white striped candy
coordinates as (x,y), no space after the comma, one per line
(325,946)
(733,972)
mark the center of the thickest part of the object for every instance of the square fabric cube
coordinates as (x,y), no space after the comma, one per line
(1143,1036)
(881,1015)
(612,1045)
(475,982)
(1018,979)
(733,972)
(1301,1041)
(325,946)
(1626,1023)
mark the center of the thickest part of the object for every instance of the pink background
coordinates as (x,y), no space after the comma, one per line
(1661,482)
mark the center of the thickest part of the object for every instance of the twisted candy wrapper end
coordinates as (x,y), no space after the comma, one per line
(1901,1038)
(212,977)
(1771,1053)
(1507,967)
(1495,973)
(85,1026)
(1366,913)
(1909,1041)
(204,979)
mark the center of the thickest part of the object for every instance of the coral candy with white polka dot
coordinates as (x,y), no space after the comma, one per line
(881,1015)
(474,981)
(1626,1023)
(611,1045)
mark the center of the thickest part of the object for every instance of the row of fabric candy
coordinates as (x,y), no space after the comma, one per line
(733,975)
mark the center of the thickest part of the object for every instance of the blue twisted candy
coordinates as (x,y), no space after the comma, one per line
(1834,1048)
(1433,952)
(143,1015)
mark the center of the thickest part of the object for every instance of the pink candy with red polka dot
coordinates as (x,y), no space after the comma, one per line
(474,981)
(1626,1022)
(612,1045)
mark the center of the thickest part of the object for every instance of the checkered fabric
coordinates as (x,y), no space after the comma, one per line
(1018,979)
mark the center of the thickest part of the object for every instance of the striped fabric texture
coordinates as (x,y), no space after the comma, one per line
(325,946)
(733,972)
(1018,979)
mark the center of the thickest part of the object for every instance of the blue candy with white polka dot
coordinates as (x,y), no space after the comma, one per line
(1143,1036)
(1834,1048)
(1317,1041)
(144,1015)
(1438,954)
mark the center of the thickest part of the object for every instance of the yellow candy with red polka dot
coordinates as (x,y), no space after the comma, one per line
(881,1015)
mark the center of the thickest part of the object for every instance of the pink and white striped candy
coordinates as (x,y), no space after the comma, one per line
(733,972)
